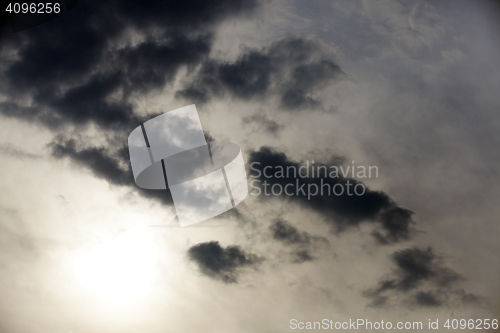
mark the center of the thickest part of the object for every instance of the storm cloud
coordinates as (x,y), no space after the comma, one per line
(92,69)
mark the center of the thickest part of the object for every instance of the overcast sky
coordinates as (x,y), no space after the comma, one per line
(408,86)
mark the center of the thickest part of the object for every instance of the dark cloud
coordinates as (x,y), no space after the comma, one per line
(291,69)
(112,166)
(98,160)
(221,263)
(414,266)
(83,67)
(140,68)
(87,66)
(396,222)
(419,279)
(342,211)
(88,102)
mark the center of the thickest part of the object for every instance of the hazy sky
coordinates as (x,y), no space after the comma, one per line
(408,86)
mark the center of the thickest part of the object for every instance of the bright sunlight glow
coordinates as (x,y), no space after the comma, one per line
(120,271)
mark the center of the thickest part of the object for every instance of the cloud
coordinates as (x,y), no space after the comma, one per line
(86,66)
(285,232)
(111,166)
(220,263)
(396,222)
(427,299)
(414,265)
(302,242)
(98,160)
(419,279)
(343,211)
(292,69)
(302,256)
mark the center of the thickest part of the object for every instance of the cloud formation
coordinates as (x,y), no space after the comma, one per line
(395,223)
(87,67)
(110,165)
(292,69)
(420,279)
(219,263)
(106,53)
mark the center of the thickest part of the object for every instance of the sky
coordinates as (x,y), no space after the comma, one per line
(410,87)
